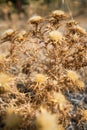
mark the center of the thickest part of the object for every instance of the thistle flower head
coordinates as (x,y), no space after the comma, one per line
(8,32)
(40,78)
(71,23)
(58,13)
(35,19)
(59,98)
(75,37)
(72,75)
(80,30)
(84,114)
(21,36)
(23,32)
(46,121)
(55,35)
(80,84)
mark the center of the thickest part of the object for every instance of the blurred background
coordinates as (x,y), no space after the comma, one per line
(16,12)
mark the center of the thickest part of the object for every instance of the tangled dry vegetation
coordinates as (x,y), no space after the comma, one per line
(43,69)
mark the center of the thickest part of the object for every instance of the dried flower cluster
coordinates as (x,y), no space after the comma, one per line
(40,75)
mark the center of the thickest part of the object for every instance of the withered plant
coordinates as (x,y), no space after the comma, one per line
(41,74)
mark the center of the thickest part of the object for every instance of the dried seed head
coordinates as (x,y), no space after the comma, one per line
(46,121)
(7,33)
(71,23)
(40,78)
(59,98)
(21,36)
(75,37)
(58,13)
(73,75)
(55,36)
(84,115)
(23,32)
(35,19)
(80,84)
(80,30)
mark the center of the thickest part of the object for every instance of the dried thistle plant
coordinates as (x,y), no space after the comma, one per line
(50,54)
